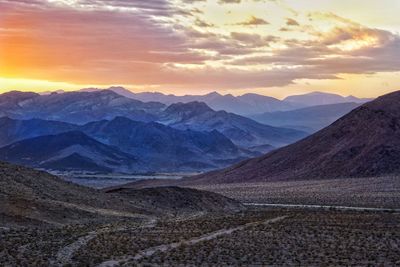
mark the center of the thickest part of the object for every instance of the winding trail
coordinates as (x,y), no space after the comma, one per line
(65,254)
(165,247)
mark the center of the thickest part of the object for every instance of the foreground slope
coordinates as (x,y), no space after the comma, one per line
(31,197)
(365,142)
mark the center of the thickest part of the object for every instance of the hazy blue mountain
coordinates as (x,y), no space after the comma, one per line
(320,98)
(241,130)
(12,130)
(243,105)
(81,107)
(69,151)
(166,148)
(310,119)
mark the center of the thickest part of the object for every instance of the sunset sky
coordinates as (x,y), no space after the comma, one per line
(271,47)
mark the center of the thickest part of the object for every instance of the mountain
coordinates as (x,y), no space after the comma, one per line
(12,130)
(10,102)
(165,148)
(309,119)
(69,151)
(242,131)
(320,98)
(243,105)
(363,143)
(80,107)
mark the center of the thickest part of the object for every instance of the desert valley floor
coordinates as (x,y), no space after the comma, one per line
(256,237)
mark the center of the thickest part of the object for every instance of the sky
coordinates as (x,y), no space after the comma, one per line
(270,47)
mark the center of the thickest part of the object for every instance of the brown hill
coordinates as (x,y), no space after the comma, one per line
(31,197)
(365,142)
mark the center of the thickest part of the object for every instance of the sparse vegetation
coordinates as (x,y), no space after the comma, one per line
(303,237)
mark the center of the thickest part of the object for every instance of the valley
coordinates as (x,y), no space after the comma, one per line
(185,185)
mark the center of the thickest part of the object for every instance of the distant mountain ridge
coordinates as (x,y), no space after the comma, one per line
(246,104)
(309,119)
(243,105)
(320,98)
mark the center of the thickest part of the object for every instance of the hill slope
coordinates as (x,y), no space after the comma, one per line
(365,142)
(242,131)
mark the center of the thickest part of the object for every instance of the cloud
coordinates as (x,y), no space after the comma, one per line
(253,21)
(291,22)
(229,1)
(154,42)
(253,40)
(201,23)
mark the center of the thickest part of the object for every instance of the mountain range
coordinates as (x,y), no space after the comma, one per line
(363,143)
(108,131)
(119,145)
